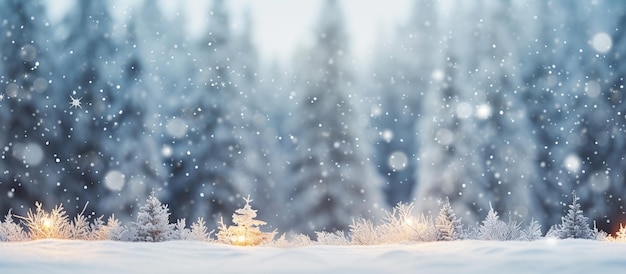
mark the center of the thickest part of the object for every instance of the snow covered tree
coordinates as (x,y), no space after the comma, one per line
(112,230)
(89,48)
(494,229)
(475,143)
(181,232)
(553,102)
(273,144)
(403,72)
(150,31)
(246,229)
(153,223)
(602,136)
(205,175)
(575,224)
(620,235)
(28,119)
(450,162)
(333,180)
(199,231)
(11,231)
(532,232)
(255,130)
(137,165)
(449,227)
(507,146)
(110,162)
(573,93)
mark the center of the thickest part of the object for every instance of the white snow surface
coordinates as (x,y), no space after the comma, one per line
(543,256)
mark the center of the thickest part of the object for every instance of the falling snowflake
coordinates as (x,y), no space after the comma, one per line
(2,97)
(75,102)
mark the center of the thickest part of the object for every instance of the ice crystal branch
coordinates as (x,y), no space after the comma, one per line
(41,225)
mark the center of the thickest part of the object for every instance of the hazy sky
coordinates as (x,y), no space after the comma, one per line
(281,25)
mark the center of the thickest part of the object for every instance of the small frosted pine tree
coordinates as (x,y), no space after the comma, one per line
(199,231)
(112,230)
(153,221)
(10,231)
(449,227)
(246,230)
(494,229)
(620,235)
(532,232)
(181,232)
(575,224)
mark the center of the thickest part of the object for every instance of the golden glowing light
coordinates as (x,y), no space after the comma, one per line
(241,239)
(238,240)
(47,223)
(620,235)
(409,221)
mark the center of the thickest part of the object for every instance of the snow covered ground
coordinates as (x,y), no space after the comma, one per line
(544,256)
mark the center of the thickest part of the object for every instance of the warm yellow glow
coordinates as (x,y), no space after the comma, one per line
(47,223)
(241,239)
(238,240)
(620,235)
(409,221)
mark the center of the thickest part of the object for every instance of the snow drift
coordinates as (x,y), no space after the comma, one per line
(545,256)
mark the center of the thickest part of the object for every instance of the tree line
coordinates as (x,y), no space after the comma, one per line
(509,105)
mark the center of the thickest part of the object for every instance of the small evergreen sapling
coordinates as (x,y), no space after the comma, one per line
(181,232)
(116,232)
(532,232)
(494,229)
(153,221)
(620,235)
(575,224)
(112,230)
(599,235)
(10,231)
(199,231)
(449,227)
(246,230)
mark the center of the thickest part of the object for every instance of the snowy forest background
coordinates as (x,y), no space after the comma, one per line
(510,103)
